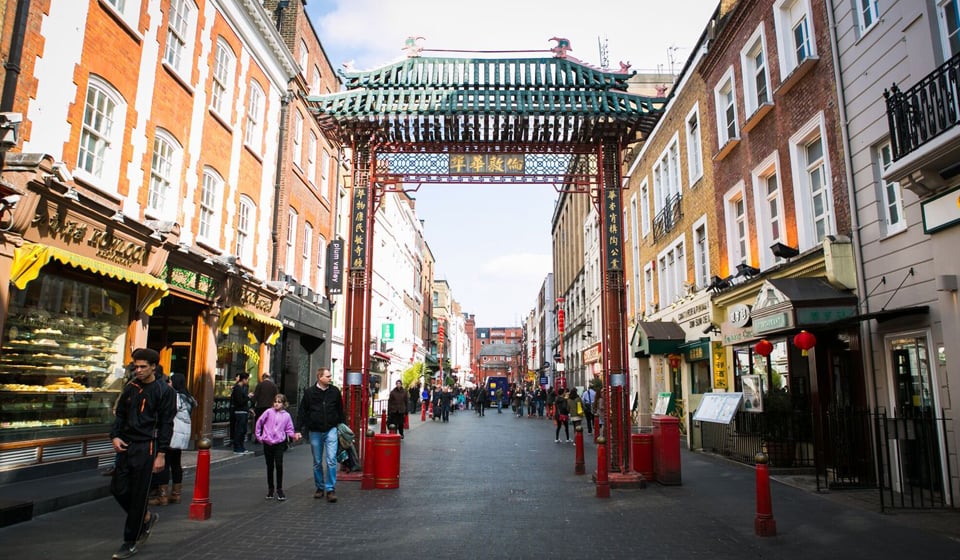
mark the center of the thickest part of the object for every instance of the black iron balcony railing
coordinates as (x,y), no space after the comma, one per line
(668,217)
(926,110)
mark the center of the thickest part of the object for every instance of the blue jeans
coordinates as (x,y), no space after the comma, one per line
(324,447)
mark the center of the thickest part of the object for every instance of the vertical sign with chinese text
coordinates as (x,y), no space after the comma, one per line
(358,229)
(611,228)
(719,366)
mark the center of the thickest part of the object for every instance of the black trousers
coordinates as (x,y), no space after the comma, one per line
(131,484)
(396,418)
(273,455)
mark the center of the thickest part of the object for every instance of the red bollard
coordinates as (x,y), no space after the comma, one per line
(423,412)
(406,421)
(383,421)
(366,480)
(201,508)
(603,482)
(578,467)
(596,428)
(764,525)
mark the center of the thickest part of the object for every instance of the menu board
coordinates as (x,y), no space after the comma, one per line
(718,408)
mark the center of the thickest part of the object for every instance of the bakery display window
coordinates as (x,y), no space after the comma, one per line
(238,350)
(61,357)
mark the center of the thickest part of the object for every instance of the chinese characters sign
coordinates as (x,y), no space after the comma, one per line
(611,228)
(358,230)
(485,164)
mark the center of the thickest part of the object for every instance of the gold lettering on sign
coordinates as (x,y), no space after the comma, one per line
(115,249)
(254,299)
(108,246)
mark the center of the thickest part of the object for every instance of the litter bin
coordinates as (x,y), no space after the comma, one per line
(386,461)
(666,449)
(642,451)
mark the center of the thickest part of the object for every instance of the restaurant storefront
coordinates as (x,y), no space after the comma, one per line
(79,284)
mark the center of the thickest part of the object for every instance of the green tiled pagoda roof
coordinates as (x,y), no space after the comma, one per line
(456,94)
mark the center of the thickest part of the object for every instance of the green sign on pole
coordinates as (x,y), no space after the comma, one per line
(386,332)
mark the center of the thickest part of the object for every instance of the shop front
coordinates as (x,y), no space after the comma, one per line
(79,285)
(304,345)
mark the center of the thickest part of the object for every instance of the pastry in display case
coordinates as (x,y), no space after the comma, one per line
(61,358)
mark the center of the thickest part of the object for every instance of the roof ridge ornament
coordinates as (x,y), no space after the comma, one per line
(412,47)
(562,47)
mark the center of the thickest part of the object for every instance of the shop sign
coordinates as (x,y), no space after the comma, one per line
(107,245)
(941,212)
(335,267)
(771,323)
(719,366)
(816,315)
(486,164)
(610,229)
(358,228)
(739,315)
(592,354)
(254,299)
(697,352)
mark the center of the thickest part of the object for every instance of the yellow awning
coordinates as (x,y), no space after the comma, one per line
(273,326)
(31,257)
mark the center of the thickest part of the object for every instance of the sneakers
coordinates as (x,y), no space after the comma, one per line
(147,527)
(318,495)
(269,494)
(569,441)
(331,496)
(126,550)
(281,497)
(556,441)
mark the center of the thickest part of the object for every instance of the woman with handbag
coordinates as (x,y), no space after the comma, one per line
(181,434)
(576,407)
(273,429)
(563,415)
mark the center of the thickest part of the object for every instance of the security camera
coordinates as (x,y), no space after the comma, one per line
(10,200)
(61,172)
(9,130)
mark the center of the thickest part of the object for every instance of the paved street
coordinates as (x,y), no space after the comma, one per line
(492,487)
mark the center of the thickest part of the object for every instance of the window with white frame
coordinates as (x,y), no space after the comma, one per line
(222,85)
(315,81)
(795,36)
(949,17)
(312,158)
(254,130)
(325,174)
(666,175)
(867,14)
(672,273)
(701,253)
(211,193)
(101,135)
(726,101)
(737,225)
(291,254)
(645,207)
(303,56)
(648,294)
(635,249)
(321,262)
(181,26)
(246,214)
(306,253)
(297,138)
(128,10)
(893,219)
(165,164)
(769,208)
(812,189)
(694,145)
(756,81)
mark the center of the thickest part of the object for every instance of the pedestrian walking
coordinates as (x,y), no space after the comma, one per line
(551,401)
(320,412)
(481,401)
(263,395)
(397,407)
(588,398)
(273,429)
(240,404)
(499,397)
(446,396)
(575,406)
(140,435)
(182,428)
(562,413)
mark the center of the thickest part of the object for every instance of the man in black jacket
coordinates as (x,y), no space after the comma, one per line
(140,435)
(240,404)
(320,412)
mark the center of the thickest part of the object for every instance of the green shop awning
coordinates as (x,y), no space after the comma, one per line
(656,337)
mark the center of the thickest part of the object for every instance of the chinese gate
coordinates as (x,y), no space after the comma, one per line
(517,120)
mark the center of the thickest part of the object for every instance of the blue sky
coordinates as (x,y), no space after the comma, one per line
(492,243)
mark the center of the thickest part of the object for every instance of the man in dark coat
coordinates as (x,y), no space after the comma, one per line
(263,395)
(397,407)
(319,414)
(240,406)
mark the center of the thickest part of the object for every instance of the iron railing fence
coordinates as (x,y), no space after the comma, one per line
(913,462)
(926,110)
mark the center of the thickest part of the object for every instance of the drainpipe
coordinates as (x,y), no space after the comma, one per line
(852,196)
(16,52)
(281,147)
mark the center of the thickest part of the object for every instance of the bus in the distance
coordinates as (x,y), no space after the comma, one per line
(491,385)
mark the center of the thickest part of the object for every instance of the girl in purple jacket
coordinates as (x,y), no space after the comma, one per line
(272,430)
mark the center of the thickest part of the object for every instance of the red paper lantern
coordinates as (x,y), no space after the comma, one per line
(674,361)
(804,341)
(764,348)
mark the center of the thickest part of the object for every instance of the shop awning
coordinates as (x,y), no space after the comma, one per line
(272,326)
(784,304)
(882,315)
(29,258)
(380,356)
(657,337)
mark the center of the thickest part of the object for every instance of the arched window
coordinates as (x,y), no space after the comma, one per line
(211,197)
(162,194)
(101,135)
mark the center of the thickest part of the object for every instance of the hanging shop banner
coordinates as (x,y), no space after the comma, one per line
(335,267)
(720,367)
